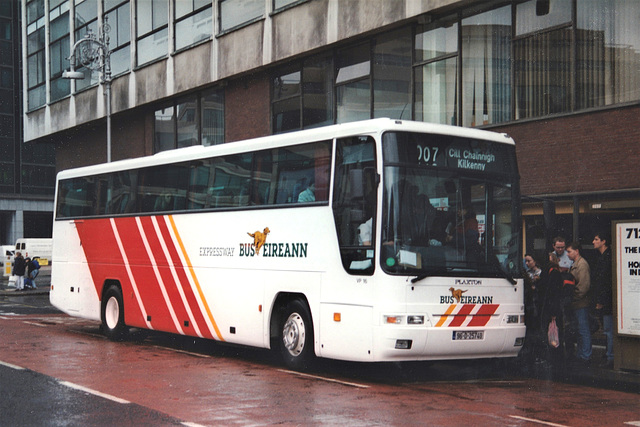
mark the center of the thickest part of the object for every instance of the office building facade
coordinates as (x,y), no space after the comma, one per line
(560,76)
(27,171)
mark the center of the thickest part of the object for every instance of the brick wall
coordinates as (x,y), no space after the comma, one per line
(131,136)
(247,107)
(580,153)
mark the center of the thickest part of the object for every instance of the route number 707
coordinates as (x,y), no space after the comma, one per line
(427,154)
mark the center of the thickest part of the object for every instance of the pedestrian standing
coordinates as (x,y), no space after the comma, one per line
(559,247)
(552,309)
(603,292)
(33,268)
(532,351)
(533,269)
(580,303)
(19,269)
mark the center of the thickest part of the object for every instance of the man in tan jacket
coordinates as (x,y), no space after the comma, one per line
(580,302)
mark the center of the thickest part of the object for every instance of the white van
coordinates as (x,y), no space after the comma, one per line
(35,248)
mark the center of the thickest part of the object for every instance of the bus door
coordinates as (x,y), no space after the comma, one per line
(354,209)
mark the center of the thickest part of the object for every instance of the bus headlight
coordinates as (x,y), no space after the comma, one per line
(415,320)
(412,319)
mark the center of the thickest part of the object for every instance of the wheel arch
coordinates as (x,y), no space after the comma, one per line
(107,284)
(278,310)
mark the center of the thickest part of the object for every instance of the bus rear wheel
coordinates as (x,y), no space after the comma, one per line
(112,314)
(296,336)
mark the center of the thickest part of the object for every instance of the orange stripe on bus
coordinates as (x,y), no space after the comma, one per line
(443,318)
(195,279)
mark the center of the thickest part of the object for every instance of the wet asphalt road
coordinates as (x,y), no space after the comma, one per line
(59,371)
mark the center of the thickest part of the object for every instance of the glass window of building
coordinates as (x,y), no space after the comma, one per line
(36,90)
(286,98)
(607,53)
(436,73)
(302,97)
(118,15)
(235,13)
(86,22)
(5,29)
(59,47)
(164,129)
(353,84)
(192,120)
(38,172)
(193,22)
(317,88)
(86,17)
(6,78)
(187,122)
(6,42)
(7,163)
(212,113)
(392,75)
(152,30)
(486,68)
(281,4)
(542,58)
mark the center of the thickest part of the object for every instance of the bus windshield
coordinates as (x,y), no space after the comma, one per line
(449,206)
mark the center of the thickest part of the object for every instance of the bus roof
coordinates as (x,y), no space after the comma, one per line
(365,127)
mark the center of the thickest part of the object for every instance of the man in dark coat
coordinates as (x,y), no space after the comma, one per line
(19,269)
(602,282)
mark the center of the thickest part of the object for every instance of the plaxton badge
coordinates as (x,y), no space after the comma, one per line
(468,282)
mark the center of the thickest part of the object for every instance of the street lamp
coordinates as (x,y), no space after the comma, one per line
(92,52)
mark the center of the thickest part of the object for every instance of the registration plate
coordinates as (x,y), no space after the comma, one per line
(468,335)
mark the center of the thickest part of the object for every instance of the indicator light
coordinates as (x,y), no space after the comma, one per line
(393,320)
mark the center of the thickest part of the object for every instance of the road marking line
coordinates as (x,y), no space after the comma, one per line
(331,380)
(204,356)
(35,324)
(632,423)
(188,424)
(94,392)
(9,365)
(91,334)
(533,420)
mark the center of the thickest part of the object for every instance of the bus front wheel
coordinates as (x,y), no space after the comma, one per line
(113,314)
(296,336)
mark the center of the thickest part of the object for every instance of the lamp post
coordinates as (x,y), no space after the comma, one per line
(92,52)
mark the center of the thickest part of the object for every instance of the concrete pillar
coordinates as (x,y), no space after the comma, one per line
(16,226)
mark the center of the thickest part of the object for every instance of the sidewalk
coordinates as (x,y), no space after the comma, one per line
(43,281)
(594,375)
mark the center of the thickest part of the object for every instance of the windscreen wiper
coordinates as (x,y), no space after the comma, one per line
(429,273)
(503,273)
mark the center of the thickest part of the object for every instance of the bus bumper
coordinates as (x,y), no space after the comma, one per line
(398,343)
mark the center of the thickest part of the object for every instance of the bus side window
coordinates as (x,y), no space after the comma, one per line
(77,198)
(301,173)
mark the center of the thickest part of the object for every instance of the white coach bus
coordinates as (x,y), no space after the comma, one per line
(379,240)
